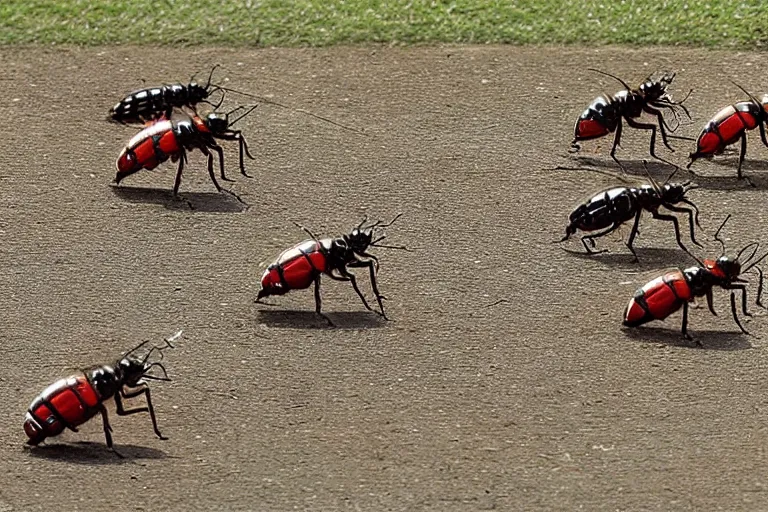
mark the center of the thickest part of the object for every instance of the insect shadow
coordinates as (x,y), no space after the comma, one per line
(709,340)
(88,452)
(660,171)
(206,202)
(303,319)
(649,258)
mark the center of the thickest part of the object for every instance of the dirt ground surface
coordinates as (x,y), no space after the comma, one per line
(504,379)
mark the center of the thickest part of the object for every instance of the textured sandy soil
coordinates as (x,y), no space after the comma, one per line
(504,379)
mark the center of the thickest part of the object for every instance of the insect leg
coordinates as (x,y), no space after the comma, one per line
(149,408)
(690,219)
(319,303)
(762,134)
(660,118)
(371,267)
(633,233)
(597,235)
(218,149)
(108,430)
(760,283)
(733,311)
(710,303)
(210,167)
(743,152)
(243,151)
(616,142)
(351,278)
(685,323)
(177,183)
(673,220)
(743,289)
(645,126)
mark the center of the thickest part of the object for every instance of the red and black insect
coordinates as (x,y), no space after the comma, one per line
(152,103)
(605,113)
(303,264)
(73,401)
(731,124)
(173,138)
(609,209)
(666,294)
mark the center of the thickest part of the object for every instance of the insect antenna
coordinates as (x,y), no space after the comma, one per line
(756,246)
(154,377)
(751,97)
(653,181)
(758,260)
(160,348)
(400,247)
(242,116)
(305,112)
(307,231)
(717,235)
(210,76)
(391,222)
(625,84)
(134,349)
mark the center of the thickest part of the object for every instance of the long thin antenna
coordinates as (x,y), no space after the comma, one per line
(211,76)
(758,260)
(270,102)
(653,181)
(307,231)
(755,100)
(625,84)
(242,116)
(717,234)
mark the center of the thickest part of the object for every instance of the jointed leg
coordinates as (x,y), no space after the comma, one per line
(743,152)
(210,169)
(177,184)
(108,430)
(319,303)
(662,123)
(218,149)
(149,408)
(374,284)
(673,220)
(644,126)
(733,310)
(743,289)
(685,322)
(691,218)
(243,151)
(597,235)
(348,276)
(633,234)
(710,304)
(616,142)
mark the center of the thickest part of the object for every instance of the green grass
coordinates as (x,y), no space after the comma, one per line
(328,22)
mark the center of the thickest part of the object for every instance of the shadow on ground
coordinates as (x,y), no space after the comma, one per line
(298,319)
(217,202)
(649,258)
(661,172)
(709,340)
(87,452)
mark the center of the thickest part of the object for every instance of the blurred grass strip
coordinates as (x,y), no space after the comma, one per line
(329,22)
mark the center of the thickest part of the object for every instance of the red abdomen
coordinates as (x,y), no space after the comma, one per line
(65,403)
(657,299)
(590,129)
(295,269)
(148,149)
(726,127)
